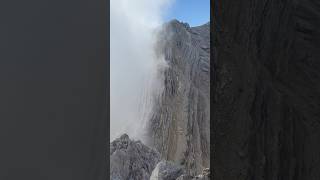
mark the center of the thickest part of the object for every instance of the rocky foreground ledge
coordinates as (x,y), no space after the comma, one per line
(133,160)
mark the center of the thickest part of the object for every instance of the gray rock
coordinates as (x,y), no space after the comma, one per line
(180,125)
(185,177)
(204,176)
(166,170)
(131,160)
(179,128)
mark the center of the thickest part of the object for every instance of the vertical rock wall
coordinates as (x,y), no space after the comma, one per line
(266,101)
(179,127)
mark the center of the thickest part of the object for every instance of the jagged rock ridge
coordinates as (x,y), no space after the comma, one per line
(179,127)
(131,159)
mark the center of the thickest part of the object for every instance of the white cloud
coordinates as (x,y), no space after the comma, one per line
(133,64)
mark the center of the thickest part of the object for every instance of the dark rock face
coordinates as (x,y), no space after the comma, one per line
(180,125)
(266,101)
(131,159)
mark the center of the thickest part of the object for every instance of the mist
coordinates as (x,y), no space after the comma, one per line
(134,64)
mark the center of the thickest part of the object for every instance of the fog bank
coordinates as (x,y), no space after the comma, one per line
(133,63)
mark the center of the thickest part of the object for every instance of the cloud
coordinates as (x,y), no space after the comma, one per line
(133,63)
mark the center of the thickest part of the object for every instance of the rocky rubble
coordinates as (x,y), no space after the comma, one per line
(131,159)
(166,170)
(204,176)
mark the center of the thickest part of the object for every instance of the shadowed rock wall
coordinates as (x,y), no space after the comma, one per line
(266,94)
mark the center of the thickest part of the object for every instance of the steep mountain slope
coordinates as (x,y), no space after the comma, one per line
(266,100)
(179,127)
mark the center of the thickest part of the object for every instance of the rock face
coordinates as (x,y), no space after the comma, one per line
(266,87)
(166,170)
(179,128)
(180,124)
(131,159)
(135,161)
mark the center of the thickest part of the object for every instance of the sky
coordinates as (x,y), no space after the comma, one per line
(194,12)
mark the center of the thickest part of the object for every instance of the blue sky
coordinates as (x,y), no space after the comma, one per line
(194,12)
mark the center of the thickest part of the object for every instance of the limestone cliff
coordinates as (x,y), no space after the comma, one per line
(179,127)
